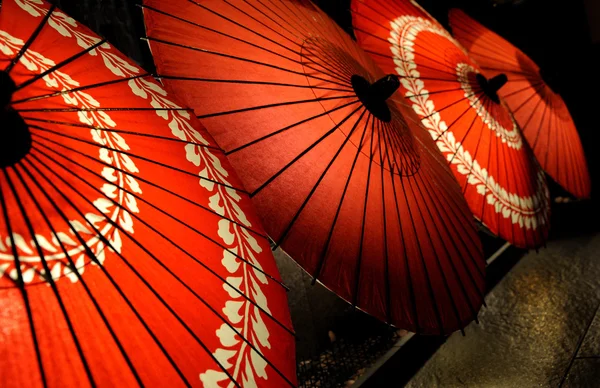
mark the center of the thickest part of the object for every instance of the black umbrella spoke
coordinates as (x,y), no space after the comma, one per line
(347,89)
(302,35)
(524,172)
(483,125)
(452,75)
(394,146)
(300,29)
(541,122)
(535,92)
(31,38)
(507,171)
(47,271)
(476,35)
(155,185)
(468,131)
(408,96)
(241,59)
(451,207)
(287,16)
(491,58)
(406,166)
(571,164)
(432,59)
(489,173)
(562,140)
(364,218)
(491,155)
(151,205)
(436,254)
(232,37)
(529,86)
(435,251)
(430,291)
(277,132)
(411,291)
(332,72)
(159,210)
(116,130)
(477,95)
(275,105)
(60,65)
(93,257)
(174,275)
(85,87)
(152,161)
(386,268)
(339,75)
(304,152)
(511,70)
(342,71)
(533,111)
(457,201)
(425,48)
(349,45)
(259,47)
(275,31)
(309,31)
(318,182)
(465,186)
(393,141)
(323,254)
(73,265)
(147,284)
(21,284)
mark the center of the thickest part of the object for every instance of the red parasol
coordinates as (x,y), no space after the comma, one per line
(129,252)
(349,185)
(539,110)
(505,188)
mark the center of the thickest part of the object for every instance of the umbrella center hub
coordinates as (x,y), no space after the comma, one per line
(15,138)
(491,86)
(374,95)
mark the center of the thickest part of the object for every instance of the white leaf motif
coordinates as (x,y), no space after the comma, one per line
(232,311)
(227,336)
(230,261)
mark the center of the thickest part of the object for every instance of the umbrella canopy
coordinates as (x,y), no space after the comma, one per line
(347,183)
(129,251)
(539,110)
(505,188)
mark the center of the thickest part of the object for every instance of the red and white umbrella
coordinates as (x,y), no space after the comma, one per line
(472,126)
(129,251)
(349,185)
(539,110)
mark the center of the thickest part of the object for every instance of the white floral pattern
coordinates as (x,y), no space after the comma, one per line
(528,212)
(236,356)
(37,63)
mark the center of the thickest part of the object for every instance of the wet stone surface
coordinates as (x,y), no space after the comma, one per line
(530,330)
(585,373)
(591,344)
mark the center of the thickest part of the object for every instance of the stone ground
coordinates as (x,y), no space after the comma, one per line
(541,328)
